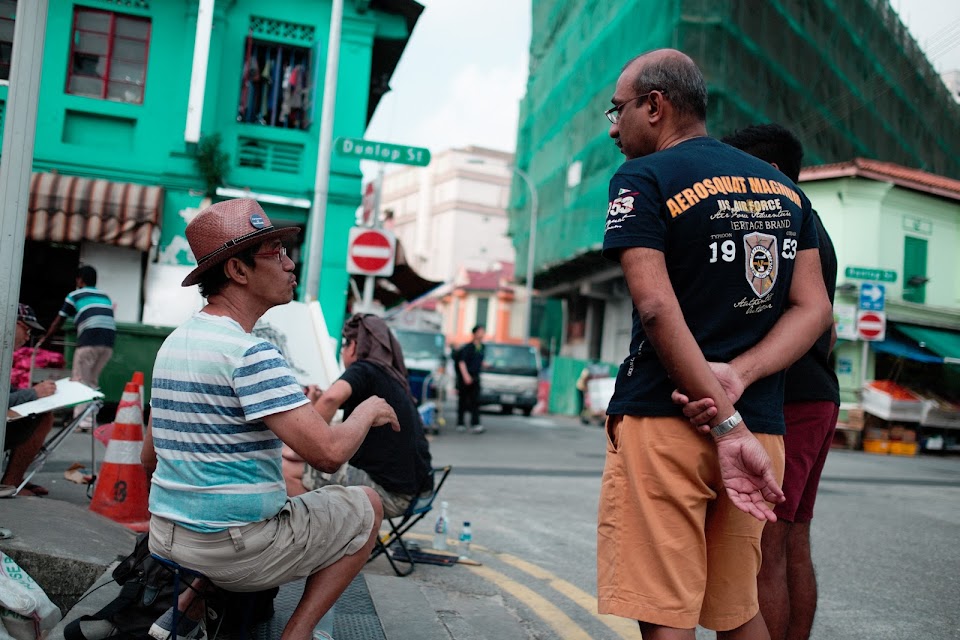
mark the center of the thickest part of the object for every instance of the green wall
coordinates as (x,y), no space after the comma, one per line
(144,143)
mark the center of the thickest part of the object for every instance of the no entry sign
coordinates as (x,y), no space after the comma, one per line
(872,325)
(371,252)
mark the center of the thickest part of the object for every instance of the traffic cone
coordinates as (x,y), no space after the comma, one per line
(121,491)
(138,380)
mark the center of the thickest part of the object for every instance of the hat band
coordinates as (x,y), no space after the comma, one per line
(229,244)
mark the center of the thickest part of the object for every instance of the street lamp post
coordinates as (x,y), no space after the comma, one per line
(531,251)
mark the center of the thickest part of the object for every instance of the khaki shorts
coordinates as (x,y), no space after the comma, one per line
(310,533)
(394,504)
(672,549)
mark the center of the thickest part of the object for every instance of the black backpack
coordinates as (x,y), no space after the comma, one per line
(147,592)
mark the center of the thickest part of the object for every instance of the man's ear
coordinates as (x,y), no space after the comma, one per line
(655,107)
(236,270)
(775,166)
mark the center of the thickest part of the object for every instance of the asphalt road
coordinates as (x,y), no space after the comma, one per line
(885,534)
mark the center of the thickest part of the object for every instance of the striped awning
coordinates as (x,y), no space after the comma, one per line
(71,209)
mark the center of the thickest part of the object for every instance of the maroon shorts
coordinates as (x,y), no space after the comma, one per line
(810,427)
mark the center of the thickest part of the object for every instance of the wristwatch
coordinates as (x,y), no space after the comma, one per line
(727,425)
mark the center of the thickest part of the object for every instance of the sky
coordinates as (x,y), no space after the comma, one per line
(464,71)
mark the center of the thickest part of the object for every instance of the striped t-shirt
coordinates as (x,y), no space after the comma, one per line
(94,316)
(218,465)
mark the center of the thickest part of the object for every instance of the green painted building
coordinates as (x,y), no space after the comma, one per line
(119,167)
(898,228)
(115,105)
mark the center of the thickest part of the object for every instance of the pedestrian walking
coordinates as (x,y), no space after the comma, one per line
(469,363)
(92,311)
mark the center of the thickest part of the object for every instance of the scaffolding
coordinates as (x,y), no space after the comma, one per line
(847,77)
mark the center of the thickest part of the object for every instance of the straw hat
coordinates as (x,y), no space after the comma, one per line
(226,228)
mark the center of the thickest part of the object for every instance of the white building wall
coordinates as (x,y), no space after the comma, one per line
(118,275)
(452,213)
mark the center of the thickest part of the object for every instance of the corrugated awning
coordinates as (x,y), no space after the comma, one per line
(941,342)
(71,209)
(901,348)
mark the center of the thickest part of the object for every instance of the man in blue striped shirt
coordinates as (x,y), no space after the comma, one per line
(223,404)
(92,311)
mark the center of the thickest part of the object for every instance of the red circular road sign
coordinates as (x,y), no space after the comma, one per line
(870,325)
(371,251)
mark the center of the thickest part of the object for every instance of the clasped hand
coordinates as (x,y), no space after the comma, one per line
(745,467)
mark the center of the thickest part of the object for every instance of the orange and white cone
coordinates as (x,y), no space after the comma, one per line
(138,380)
(121,491)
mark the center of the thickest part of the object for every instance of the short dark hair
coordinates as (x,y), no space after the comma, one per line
(477,328)
(772,143)
(88,274)
(679,78)
(213,280)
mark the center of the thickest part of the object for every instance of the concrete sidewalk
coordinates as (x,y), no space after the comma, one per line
(69,550)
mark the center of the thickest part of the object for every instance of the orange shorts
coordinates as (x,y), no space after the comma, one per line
(672,549)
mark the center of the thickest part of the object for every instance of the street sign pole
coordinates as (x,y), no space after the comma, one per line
(370,282)
(321,184)
(864,357)
(19,133)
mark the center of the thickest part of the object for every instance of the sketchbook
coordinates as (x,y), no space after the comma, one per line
(69,394)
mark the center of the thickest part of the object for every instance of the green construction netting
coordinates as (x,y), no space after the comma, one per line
(845,76)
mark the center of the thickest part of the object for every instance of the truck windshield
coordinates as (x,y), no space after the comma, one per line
(420,345)
(513,359)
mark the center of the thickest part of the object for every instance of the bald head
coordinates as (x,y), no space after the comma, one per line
(676,75)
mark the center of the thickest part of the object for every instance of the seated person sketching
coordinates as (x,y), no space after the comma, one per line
(224,402)
(395,464)
(25,436)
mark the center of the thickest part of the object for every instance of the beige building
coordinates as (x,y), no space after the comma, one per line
(451,215)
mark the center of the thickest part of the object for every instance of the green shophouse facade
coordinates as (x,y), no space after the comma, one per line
(113,106)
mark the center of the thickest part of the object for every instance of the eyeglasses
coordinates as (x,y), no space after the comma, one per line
(279,253)
(613,113)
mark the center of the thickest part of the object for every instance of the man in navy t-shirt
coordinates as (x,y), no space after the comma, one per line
(719,252)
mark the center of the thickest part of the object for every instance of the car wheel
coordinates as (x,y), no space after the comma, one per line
(506,409)
(527,411)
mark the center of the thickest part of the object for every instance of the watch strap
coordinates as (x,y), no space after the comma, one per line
(726,426)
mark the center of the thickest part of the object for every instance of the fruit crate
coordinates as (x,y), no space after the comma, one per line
(890,401)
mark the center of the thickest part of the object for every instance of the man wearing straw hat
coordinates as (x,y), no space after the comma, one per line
(223,404)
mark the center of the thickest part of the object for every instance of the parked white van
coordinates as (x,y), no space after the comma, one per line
(510,376)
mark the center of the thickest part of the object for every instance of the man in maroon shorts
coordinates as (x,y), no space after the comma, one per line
(787,583)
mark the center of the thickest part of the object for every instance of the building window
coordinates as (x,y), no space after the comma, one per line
(8,16)
(483,309)
(275,87)
(108,55)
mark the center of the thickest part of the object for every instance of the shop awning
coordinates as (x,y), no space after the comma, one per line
(901,348)
(71,209)
(942,342)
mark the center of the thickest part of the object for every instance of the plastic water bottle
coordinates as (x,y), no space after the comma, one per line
(466,537)
(440,529)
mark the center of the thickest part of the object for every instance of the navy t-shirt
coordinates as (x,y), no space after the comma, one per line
(399,461)
(730,227)
(812,378)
